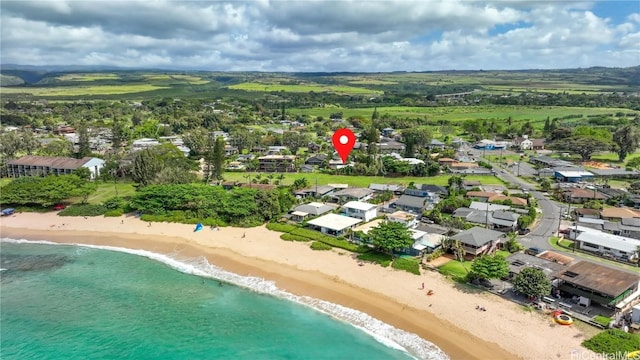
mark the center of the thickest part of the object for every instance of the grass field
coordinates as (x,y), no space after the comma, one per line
(613,157)
(107,190)
(462,113)
(87,77)
(304,88)
(195,80)
(82,90)
(359,181)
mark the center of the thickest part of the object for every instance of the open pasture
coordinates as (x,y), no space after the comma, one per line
(82,90)
(191,79)
(304,88)
(462,113)
(88,77)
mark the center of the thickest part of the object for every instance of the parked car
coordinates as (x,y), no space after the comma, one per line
(58,207)
(7,212)
(533,251)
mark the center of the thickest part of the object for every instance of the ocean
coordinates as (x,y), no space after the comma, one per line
(80,302)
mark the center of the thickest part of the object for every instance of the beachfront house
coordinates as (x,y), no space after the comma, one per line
(479,241)
(405,218)
(333,224)
(312,209)
(360,210)
(31,165)
(589,283)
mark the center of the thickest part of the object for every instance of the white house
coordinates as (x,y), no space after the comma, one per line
(360,210)
(604,243)
(31,165)
(144,143)
(405,218)
(333,224)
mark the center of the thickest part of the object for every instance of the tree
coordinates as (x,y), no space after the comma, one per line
(300,183)
(83,173)
(532,282)
(584,146)
(390,236)
(545,184)
(196,140)
(512,245)
(119,133)
(84,149)
(634,163)
(295,140)
(29,143)
(490,267)
(415,137)
(218,158)
(455,246)
(59,147)
(10,144)
(146,165)
(174,175)
(627,139)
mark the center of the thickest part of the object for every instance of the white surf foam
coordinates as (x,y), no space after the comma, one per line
(380,331)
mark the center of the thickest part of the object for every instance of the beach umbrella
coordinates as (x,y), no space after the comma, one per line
(198,227)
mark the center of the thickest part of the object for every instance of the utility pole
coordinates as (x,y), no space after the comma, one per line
(519,168)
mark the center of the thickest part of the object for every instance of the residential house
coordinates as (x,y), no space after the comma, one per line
(499,220)
(245,157)
(360,210)
(628,227)
(336,164)
(316,191)
(482,196)
(235,166)
(333,224)
(144,143)
(587,213)
(441,191)
(306,168)
(426,243)
(312,209)
(464,165)
(520,261)
(479,241)
(275,150)
(523,143)
(64,129)
(579,196)
(537,144)
(469,185)
(593,283)
(603,243)
(483,206)
(387,132)
(316,160)
(277,163)
(396,189)
(31,165)
(445,161)
(313,147)
(353,194)
(617,214)
(436,145)
(412,204)
(572,176)
(230,150)
(407,219)
(389,147)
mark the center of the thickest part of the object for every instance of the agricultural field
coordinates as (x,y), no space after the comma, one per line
(82,90)
(191,79)
(304,88)
(462,113)
(88,77)
(357,181)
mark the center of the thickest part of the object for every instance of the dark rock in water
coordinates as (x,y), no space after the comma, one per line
(32,262)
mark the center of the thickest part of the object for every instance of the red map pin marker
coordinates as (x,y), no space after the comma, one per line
(343,141)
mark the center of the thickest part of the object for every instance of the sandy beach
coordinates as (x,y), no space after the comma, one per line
(449,318)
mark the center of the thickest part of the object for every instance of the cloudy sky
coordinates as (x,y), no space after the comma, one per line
(308,35)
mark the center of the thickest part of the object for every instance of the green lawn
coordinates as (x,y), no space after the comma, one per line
(613,157)
(456,269)
(358,181)
(106,191)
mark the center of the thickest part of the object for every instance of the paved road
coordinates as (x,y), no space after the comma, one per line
(548,224)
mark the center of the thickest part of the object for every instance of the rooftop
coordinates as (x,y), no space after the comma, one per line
(359,205)
(334,222)
(603,279)
(354,192)
(50,161)
(401,215)
(619,213)
(477,236)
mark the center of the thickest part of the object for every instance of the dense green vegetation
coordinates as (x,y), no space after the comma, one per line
(613,342)
(410,265)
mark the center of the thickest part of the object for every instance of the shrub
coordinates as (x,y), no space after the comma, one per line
(113,213)
(612,341)
(410,265)
(290,237)
(316,245)
(434,255)
(286,228)
(376,257)
(115,203)
(84,210)
(179,217)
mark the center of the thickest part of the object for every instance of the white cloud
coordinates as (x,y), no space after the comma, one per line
(317,35)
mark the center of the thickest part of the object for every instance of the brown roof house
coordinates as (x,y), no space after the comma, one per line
(48,165)
(578,196)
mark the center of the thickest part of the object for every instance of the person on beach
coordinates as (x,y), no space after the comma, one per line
(243,235)
(422,288)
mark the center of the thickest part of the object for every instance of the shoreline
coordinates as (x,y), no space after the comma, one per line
(448,319)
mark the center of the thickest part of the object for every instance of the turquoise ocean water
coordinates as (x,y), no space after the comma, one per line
(76,302)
